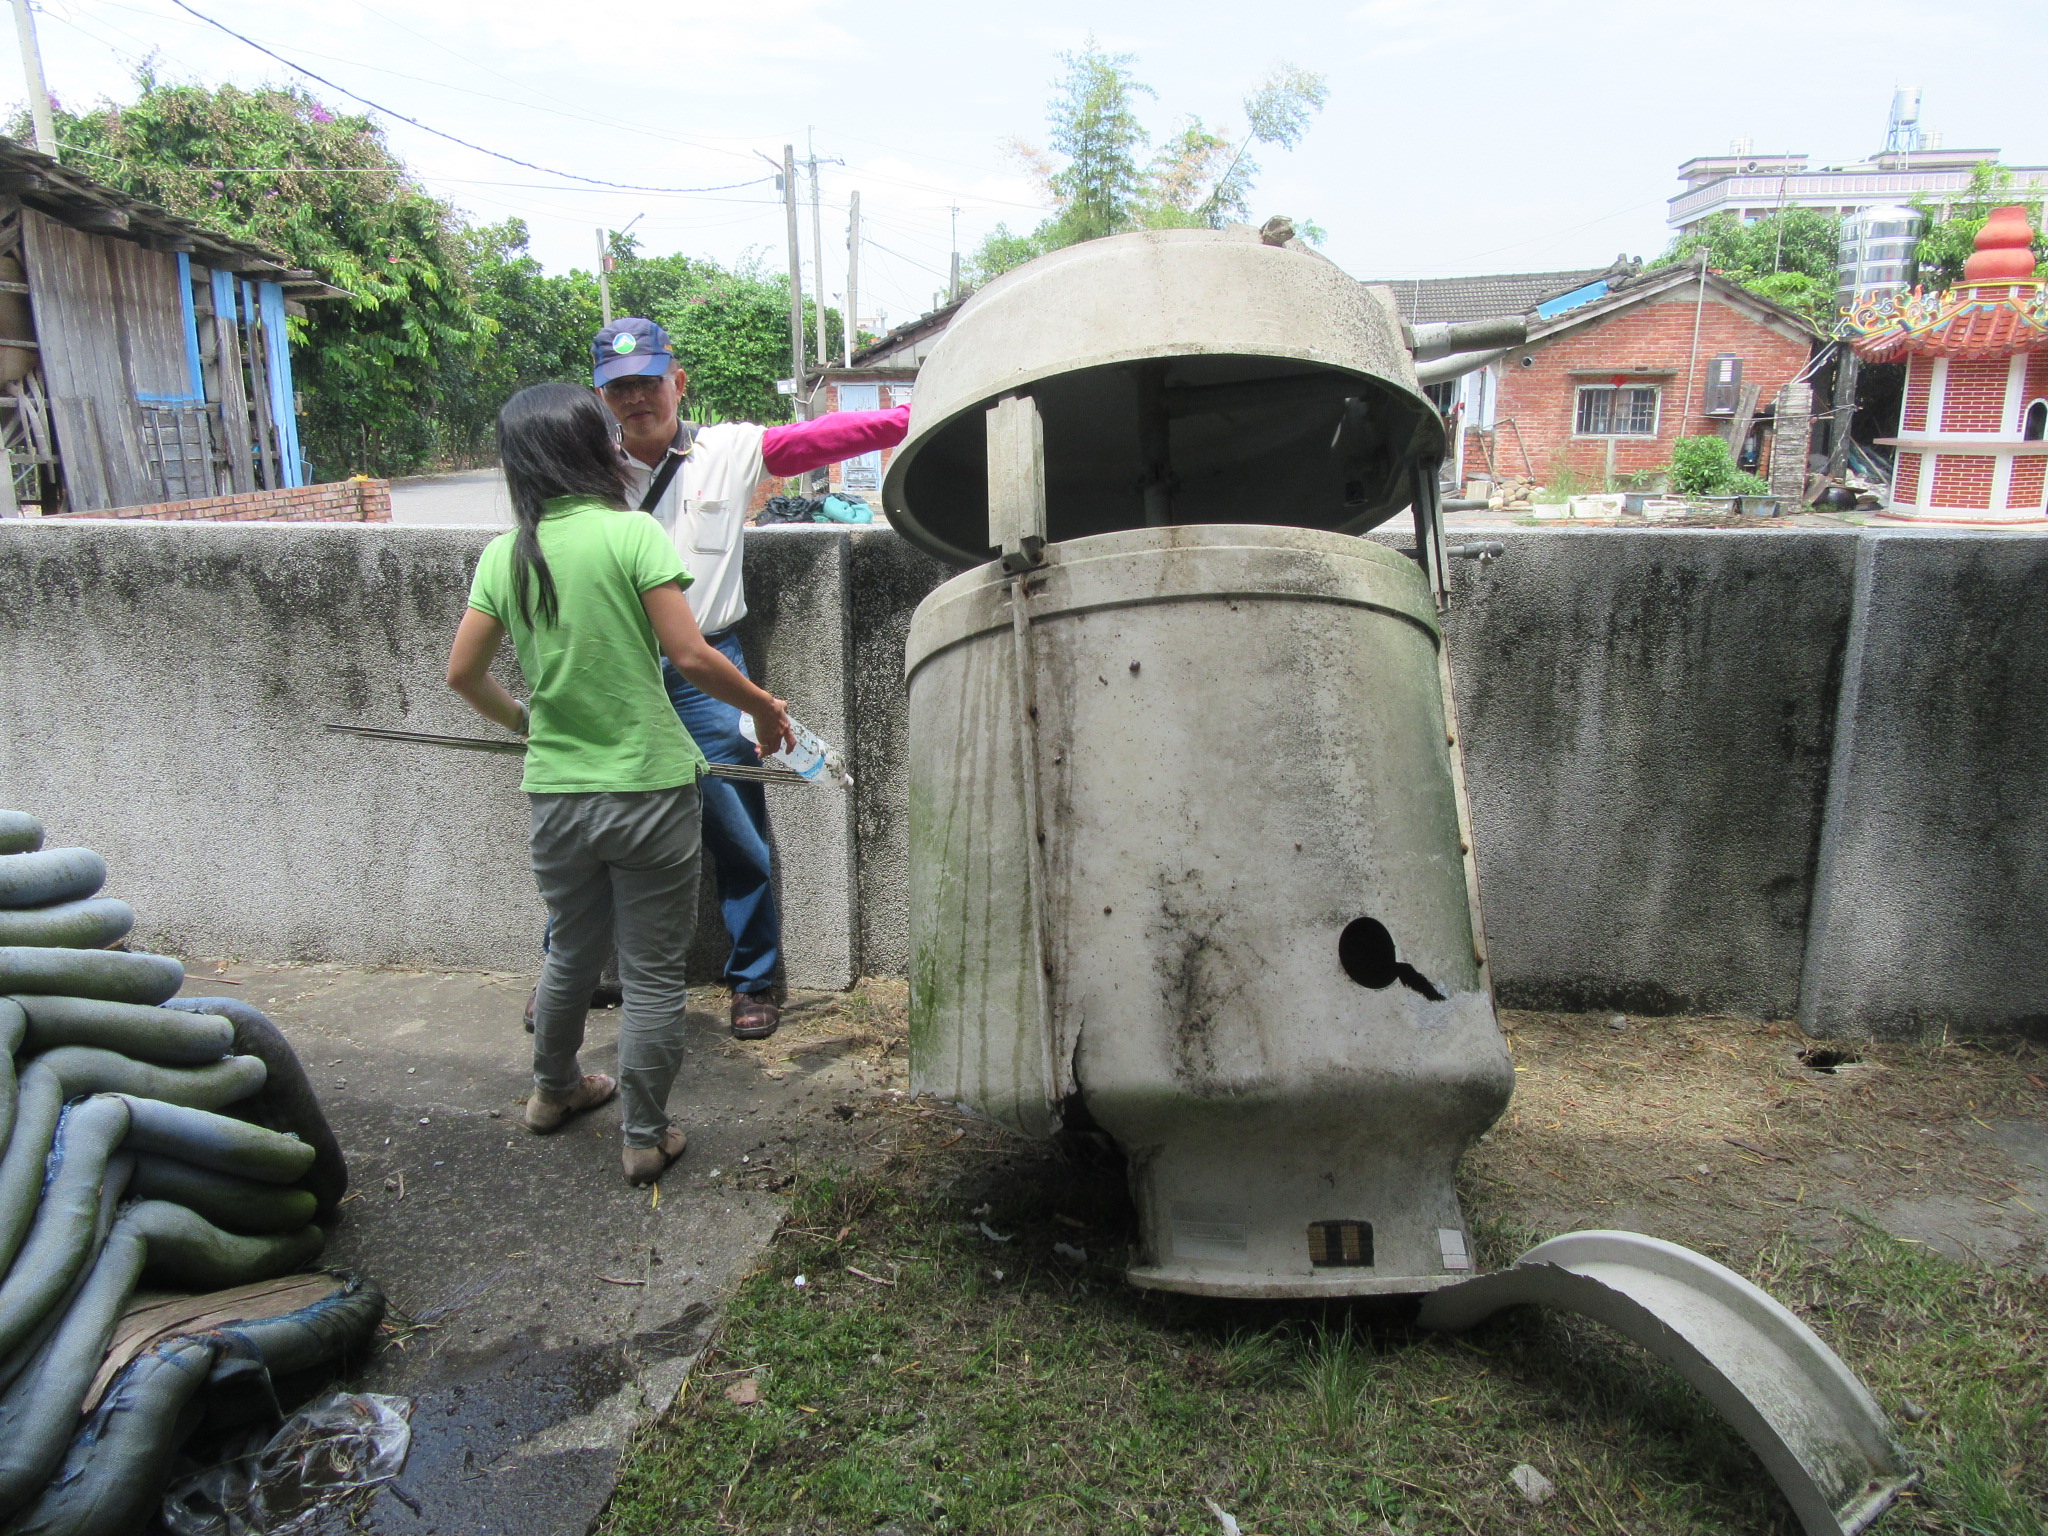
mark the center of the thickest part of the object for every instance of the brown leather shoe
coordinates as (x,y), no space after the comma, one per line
(546,1112)
(755,1015)
(644,1165)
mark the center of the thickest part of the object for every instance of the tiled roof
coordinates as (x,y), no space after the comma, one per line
(910,330)
(1428,299)
(71,196)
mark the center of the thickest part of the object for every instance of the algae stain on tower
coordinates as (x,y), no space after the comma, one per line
(1225,723)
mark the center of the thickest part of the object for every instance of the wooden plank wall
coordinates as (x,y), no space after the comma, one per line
(152,318)
(82,288)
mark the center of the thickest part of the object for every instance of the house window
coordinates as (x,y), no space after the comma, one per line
(1630,411)
(2034,425)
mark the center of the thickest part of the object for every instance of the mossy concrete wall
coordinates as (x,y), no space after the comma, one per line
(1770,773)
(165,697)
(1931,888)
(1648,720)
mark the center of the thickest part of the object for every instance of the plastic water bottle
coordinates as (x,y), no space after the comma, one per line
(811,758)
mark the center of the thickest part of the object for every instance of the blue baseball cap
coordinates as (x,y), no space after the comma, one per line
(627,347)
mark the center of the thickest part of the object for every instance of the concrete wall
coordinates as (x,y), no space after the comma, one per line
(1647,727)
(166,689)
(1933,874)
(1650,722)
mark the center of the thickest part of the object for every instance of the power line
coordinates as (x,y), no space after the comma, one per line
(451,138)
(543,105)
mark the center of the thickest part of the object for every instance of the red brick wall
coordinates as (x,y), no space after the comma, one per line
(342,501)
(1906,479)
(1961,481)
(2037,380)
(1919,378)
(2027,483)
(1975,398)
(1656,334)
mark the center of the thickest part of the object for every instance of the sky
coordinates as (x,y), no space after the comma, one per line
(1460,136)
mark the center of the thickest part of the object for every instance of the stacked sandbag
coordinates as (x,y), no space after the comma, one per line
(180,1144)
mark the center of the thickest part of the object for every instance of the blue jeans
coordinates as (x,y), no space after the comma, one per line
(735,828)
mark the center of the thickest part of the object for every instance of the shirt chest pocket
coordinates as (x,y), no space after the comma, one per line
(714,525)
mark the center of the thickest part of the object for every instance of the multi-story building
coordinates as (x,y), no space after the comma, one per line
(1751,185)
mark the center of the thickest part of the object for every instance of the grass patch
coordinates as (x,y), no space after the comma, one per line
(998,1386)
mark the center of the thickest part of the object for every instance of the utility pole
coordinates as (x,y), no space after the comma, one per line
(817,250)
(953,282)
(852,277)
(38,91)
(604,277)
(796,276)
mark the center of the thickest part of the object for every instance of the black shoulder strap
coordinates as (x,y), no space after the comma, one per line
(658,486)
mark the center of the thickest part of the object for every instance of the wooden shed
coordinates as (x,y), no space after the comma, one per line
(143,358)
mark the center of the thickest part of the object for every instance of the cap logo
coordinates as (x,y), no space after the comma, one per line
(623,343)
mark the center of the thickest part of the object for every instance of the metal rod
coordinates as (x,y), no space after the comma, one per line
(752,773)
(604,279)
(1692,363)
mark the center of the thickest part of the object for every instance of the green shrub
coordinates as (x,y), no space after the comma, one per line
(1702,466)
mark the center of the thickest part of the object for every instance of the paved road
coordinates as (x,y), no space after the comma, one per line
(469,496)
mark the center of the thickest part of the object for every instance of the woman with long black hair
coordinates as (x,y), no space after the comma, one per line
(592,595)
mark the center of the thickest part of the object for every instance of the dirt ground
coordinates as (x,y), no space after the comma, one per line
(1719,1133)
(1723,1134)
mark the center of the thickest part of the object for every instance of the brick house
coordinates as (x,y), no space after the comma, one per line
(1613,372)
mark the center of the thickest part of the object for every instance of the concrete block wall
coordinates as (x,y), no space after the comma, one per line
(344,501)
(1769,773)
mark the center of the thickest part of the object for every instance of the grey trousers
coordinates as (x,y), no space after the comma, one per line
(617,870)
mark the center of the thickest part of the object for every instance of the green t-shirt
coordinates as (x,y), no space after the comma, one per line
(602,720)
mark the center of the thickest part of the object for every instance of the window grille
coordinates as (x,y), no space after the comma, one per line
(1625,412)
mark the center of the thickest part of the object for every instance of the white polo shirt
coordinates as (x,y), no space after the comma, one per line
(704,510)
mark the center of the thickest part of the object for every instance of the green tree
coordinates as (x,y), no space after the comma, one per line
(366,365)
(1196,177)
(444,321)
(730,328)
(1095,125)
(544,325)
(1949,232)
(1788,256)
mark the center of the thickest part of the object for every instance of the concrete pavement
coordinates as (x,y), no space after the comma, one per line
(466,496)
(541,1306)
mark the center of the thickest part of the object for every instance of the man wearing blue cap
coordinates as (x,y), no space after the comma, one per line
(699,482)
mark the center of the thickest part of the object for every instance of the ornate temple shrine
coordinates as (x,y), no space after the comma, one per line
(1973,430)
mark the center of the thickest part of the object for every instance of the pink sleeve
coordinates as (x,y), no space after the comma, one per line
(803,445)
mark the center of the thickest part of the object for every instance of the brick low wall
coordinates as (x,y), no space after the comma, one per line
(342,501)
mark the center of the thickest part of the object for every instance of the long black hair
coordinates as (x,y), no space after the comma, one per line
(554,440)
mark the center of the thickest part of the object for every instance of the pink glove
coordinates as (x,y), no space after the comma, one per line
(805,445)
